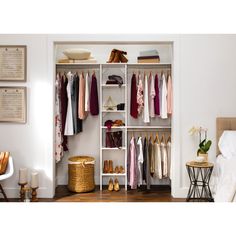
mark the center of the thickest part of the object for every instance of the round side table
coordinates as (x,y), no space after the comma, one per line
(199,175)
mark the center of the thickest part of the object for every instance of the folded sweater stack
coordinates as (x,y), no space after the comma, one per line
(149,56)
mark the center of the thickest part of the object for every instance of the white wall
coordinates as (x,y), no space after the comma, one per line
(207,83)
(30,144)
(204,88)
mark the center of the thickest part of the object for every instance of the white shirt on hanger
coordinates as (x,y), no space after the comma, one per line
(152,96)
(87,78)
(140,161)
(146,118)
(69,130)
(164,98)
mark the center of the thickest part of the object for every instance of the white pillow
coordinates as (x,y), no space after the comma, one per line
(227,144)
(77,53)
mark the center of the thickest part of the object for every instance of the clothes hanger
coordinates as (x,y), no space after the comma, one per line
(169,139)
(157,138)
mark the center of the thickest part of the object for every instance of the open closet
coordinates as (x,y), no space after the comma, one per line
(119,118)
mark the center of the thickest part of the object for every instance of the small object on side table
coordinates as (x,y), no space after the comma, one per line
(34,195)
(22,191)
(199,175)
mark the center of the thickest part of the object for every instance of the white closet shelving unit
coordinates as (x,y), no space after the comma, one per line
(102,69)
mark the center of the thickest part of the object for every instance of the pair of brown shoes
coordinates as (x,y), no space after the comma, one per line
(119,170)
(108,166)
(114,186)
(117,56)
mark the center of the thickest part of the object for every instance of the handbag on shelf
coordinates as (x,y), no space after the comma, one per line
(109,104)
(121,107)
(114,139)
(114,79)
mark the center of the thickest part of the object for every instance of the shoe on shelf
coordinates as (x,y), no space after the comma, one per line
(112,55)
(116,185)
(110,168)
(122,170)
(105,167)
(116,58)
(117,170)
(123,59)
(110,185)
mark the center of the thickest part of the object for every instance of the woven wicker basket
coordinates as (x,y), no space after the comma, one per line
(81,174)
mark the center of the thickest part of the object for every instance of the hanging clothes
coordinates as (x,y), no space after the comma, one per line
(152,94)
(133,180)
(94,107)
(156,99)
(146,118)
(81,109)
(140,161)
(164,160)
(146,166)
(169,95)
(69,128)
(151,157)
(59,152)
(158,162)
(169,158)
(140,100)
(133,98)
(164,98)
(87,79)
(64,102)
(77,123)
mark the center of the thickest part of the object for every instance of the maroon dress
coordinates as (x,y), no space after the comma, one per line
(156,99)
(94,106)
(133,98)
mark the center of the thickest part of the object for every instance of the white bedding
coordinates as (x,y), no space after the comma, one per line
(224,180)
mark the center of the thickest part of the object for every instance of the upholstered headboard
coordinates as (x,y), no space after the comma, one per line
(222,124)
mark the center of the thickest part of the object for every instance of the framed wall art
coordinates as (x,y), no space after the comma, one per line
(13,63)
(13,104)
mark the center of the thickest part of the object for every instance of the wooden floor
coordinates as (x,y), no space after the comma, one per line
(156,194)
(159,194)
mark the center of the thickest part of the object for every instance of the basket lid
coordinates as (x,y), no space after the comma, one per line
(81,159)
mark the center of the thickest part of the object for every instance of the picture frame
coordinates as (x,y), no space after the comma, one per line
(13,63)
(13,104)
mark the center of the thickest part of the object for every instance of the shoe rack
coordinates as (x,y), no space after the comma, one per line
(131,125)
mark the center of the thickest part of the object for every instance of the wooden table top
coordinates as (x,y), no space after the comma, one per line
(199,164)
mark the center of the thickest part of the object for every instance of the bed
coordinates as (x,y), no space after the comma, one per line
(224,175)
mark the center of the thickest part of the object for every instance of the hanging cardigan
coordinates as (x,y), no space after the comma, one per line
(158,161)
(133,100)
(164,160)
(94,107)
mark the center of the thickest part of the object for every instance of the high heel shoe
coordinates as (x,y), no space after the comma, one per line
(110,170)
(116,185)
(123,59)
(110,185)
(105,167)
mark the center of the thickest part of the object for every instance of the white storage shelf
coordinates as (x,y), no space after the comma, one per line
(113,174)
